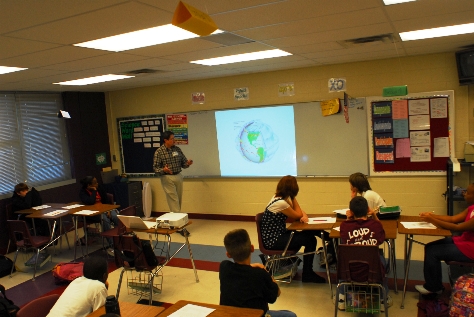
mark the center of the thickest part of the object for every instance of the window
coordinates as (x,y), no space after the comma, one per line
(33,141)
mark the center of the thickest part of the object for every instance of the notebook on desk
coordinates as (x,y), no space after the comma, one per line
(134,222)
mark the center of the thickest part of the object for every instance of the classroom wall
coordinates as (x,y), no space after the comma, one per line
(224,196)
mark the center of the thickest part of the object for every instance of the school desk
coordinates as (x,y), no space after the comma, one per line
(409,233)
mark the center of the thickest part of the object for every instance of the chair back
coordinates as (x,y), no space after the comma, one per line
(360,264)
(261,246)
(129,211)
(110,198)
(39,307)
(129,254)
(19,233)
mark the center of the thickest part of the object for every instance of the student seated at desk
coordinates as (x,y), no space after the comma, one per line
(360,187)
(360,229)
(86,293)
(458,248)
(26,198)
(244,284)
(275,236)
(92,194)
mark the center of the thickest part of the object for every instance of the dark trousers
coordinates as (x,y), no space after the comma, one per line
(306,239)
(435,252)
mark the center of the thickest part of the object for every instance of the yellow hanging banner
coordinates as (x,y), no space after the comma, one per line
(191,19)
(329,107)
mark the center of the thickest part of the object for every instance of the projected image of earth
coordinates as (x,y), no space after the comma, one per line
(257,142)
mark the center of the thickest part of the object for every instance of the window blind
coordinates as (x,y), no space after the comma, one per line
(33,141)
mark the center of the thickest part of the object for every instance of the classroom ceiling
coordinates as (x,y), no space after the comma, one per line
(38,35)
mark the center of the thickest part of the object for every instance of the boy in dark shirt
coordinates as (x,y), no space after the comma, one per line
(360,229)
(26,198)
(244,284)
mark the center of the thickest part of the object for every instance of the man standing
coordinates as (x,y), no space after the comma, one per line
(168,162)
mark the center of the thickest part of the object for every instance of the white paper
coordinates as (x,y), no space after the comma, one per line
(316,220)
(439,107)
(420,154)
(191,310)
(441,147)
(418,225)
(336,228)
(55,213)
(341,211)
(41,207)
(421,122)
(418,106)
(86,212)
(72,206)
(420,138)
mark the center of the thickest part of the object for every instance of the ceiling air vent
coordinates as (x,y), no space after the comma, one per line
(143,71)
(382,38)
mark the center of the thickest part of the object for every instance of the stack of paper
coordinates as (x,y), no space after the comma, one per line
(418,225)
(55,213)
(72,206)
(41,207)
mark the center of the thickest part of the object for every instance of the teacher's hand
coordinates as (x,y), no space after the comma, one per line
(167,170)
(189,162)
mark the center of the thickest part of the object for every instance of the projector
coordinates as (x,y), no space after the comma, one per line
(172,220)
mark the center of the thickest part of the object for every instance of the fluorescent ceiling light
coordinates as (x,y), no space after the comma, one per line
(142,38)
(437,32)
(241,57)
(389,2)
(8,69)
(93,80)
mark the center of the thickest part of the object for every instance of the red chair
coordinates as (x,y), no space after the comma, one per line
(22,238)
(359,271)
(39,307)
(273,257)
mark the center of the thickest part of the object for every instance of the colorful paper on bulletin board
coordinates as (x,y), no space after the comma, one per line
(330,107)
(400,109)
(382,125)
(403,148)
(382,109)
(400,128)
(384,156)
(383,140)
(178,124)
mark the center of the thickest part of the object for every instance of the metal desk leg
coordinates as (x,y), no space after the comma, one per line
(85,235)
(393,261)
(191,255)
(409,242)
(326,259)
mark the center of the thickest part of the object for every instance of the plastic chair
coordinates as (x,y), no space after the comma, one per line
(130,247)
(39,307)
(360,266)
(457,263)
(273,257)
(25,241)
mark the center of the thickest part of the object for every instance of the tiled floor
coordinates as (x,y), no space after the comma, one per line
(179,283)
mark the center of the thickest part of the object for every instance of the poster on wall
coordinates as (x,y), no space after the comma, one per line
(178,124)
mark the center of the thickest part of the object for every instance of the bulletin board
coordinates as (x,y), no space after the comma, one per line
(411,135)
(139,137)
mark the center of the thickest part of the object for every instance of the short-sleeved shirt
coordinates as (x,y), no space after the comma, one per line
(364,232)
(465,242)
(373,199)
(273,221)
(81,297)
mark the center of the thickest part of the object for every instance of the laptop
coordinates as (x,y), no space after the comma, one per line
(134,222)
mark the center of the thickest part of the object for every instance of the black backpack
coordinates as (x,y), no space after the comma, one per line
(5,266)
(7,308)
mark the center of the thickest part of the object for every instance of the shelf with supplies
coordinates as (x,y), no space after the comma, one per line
(454,166)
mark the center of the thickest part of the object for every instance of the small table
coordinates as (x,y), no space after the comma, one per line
(409,233)
(220,310)
(131,310)
(390,228)
(322,226)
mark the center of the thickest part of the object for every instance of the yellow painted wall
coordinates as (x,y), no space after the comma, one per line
(319,195)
